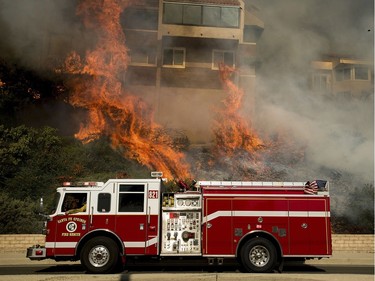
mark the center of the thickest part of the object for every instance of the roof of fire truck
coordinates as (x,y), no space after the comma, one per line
(308,187)
(251,183)
(316,187)
(156,177)
(93,184)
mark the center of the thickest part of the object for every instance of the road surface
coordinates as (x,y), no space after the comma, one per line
(343,266)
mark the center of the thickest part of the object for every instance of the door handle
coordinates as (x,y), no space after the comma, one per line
(152,227)
(91,216)
(209,225)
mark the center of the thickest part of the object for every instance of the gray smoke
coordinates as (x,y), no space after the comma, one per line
(338,134)
(29,28)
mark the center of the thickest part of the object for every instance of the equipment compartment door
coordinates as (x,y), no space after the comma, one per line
(309,227)
(319,225)
(217,227)
(299,227)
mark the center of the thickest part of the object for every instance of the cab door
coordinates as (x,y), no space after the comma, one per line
(71,222)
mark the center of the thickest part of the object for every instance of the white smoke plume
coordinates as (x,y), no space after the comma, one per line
(338,134)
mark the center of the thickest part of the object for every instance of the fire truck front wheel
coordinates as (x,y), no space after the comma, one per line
(100,255)
(258,255)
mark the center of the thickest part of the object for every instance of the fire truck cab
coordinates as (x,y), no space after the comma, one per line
(259,223)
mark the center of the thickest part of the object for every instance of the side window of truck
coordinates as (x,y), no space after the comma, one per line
(131,198)
(73,201)
(104,202)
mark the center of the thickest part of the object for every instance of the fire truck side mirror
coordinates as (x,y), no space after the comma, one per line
(41,210)
(41,206)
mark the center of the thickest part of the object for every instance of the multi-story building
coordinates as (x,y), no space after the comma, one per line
(175,49)
(343,77)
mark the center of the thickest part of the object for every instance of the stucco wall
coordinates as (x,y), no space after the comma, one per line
(340,242)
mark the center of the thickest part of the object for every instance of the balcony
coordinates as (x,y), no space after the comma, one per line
(201,21)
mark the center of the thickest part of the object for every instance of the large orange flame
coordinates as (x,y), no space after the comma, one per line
(125,118)
(232,132)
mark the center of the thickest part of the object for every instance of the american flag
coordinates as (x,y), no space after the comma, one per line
(311,187)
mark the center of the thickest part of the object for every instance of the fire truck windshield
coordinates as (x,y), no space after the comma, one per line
(55,202)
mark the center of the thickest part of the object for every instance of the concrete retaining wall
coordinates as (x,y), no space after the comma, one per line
(19,242)
(353,242)
(340,242)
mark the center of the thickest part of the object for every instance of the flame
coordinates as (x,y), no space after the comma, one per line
(232,132)
(126,119)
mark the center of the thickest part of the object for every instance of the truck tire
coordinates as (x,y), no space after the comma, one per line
(258,255)
(100,255)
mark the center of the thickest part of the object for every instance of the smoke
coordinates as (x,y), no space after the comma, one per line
(337,134)
(29,29)
(299,29)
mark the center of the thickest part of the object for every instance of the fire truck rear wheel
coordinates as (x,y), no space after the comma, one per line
(100,255)
(258,255)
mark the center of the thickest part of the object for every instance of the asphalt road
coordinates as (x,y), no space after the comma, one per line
(343,267)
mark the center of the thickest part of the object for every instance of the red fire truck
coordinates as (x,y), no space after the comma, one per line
(258,223)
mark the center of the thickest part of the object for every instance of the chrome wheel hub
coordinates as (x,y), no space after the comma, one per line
(99,256)
(259,256)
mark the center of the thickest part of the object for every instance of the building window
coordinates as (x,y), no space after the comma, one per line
(174,57)
(352,73)
(342,74)
(320,82)
(192,15)
(211,16)
(131,198)
(200,15)
(360,73)
(229,17)
(172,13)
(133,18)
(222,57)
(142,57)
(104,202)
(251,34)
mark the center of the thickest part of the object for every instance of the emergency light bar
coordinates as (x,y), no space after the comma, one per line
(87,183)
(156,174)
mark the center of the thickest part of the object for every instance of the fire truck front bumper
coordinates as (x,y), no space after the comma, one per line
(36,252)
